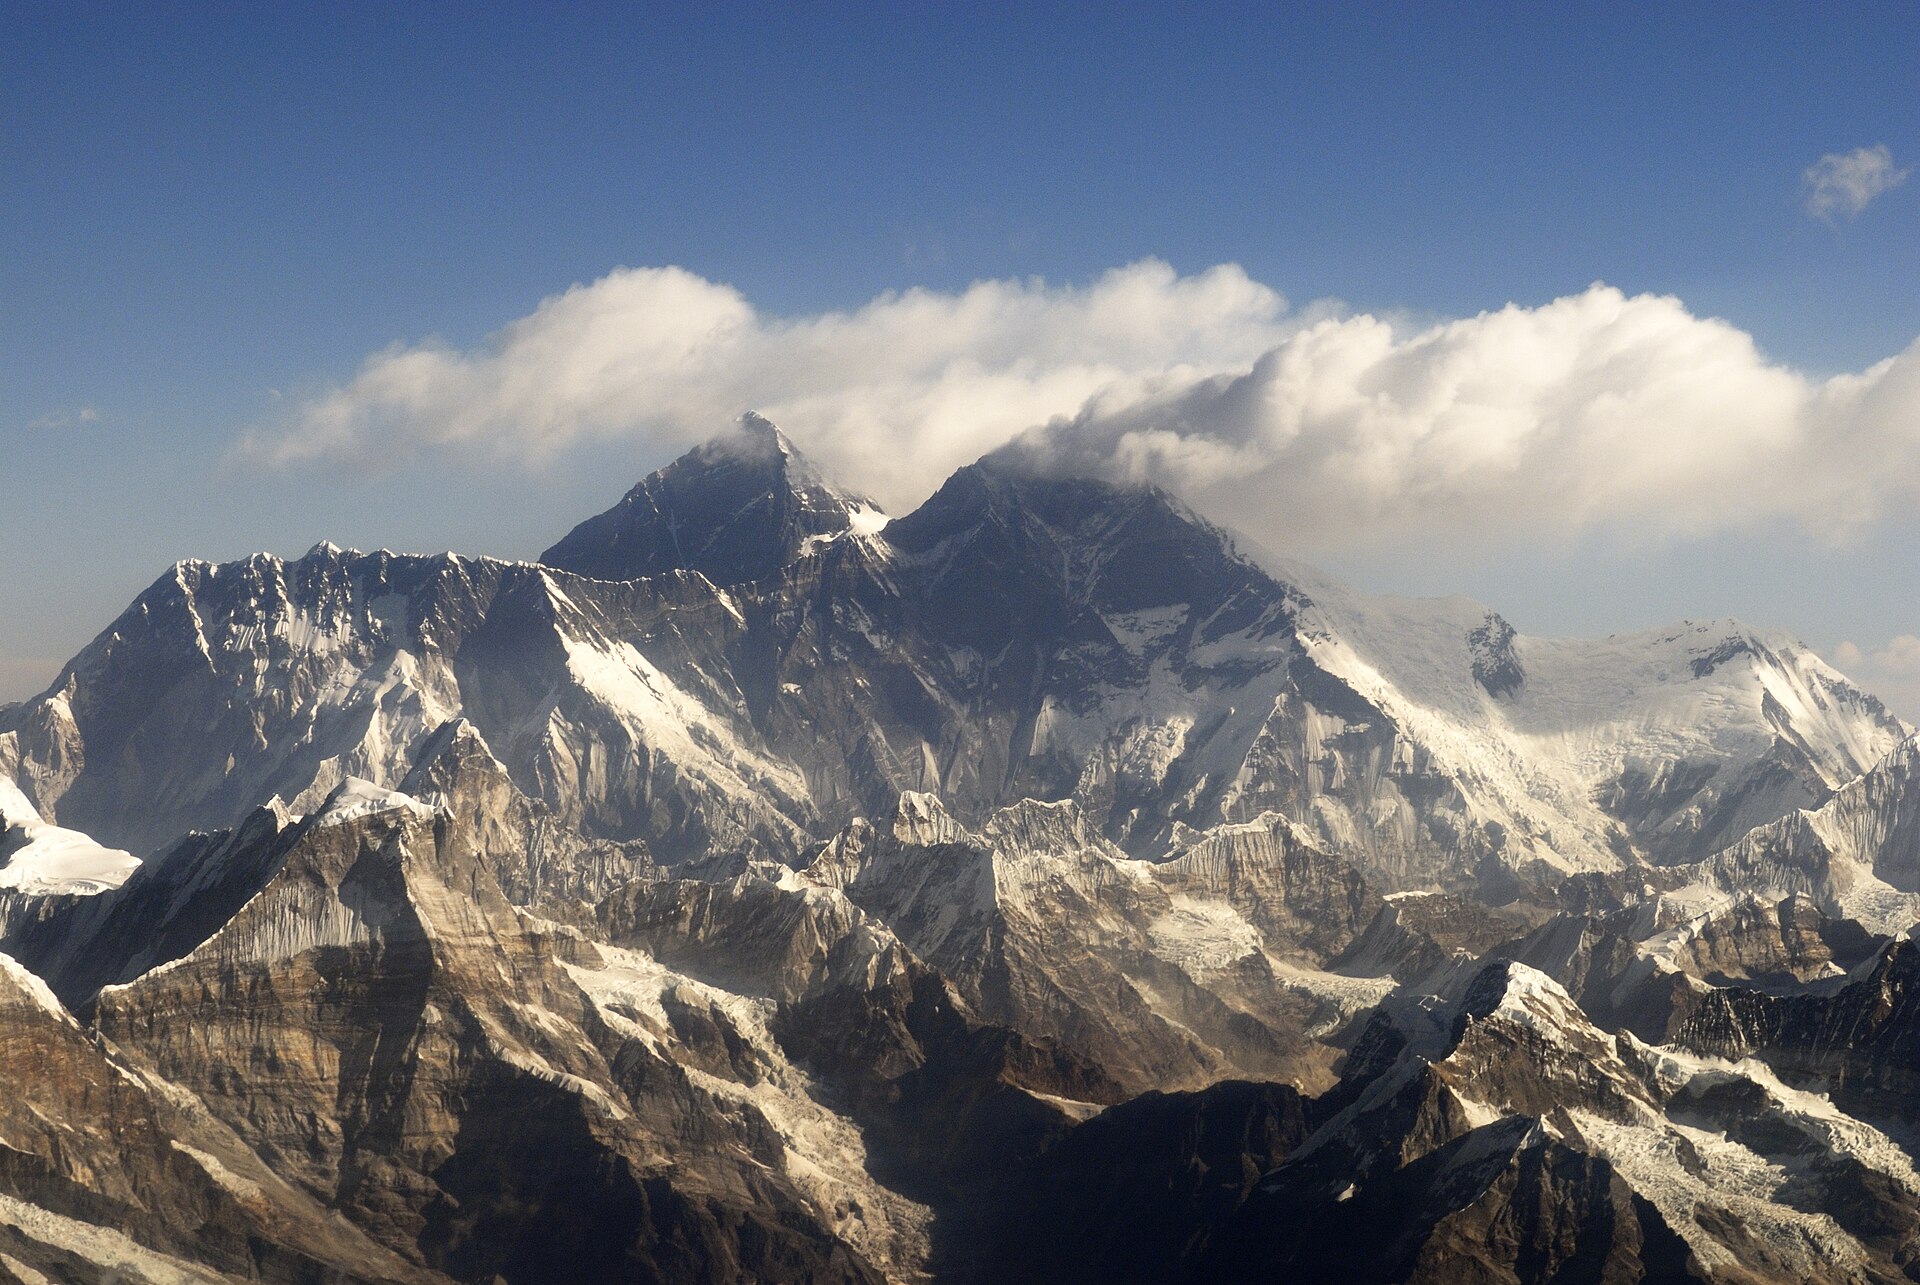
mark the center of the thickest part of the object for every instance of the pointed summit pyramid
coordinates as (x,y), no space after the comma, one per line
(736,508)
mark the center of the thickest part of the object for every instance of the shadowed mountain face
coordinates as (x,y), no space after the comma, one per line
(1028,887)
(736,509)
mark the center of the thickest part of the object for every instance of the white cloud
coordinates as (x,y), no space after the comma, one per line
(1891,672)
(1595,411)
(1844,182)
(1312,431)
(894,395)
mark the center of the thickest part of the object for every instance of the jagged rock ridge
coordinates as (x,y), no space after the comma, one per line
(774,662)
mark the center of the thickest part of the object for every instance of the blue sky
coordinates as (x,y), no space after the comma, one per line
(214,215)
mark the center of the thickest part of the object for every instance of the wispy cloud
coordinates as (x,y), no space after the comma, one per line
(1843,183)
(55,421)
(1313,430)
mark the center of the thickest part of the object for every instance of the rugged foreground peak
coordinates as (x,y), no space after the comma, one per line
(375,1025)
(1524,1143)
(736,508)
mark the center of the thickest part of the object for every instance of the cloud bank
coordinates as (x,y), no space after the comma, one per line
(1844,182)
(1311,430)
(1597,410)
(892,396)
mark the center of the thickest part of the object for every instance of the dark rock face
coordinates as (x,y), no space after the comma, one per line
(1495,666)
(736,509)
(1861,1042)
(1501,1203)
(1139,1192)
(1001,643)
(950,1101)
(1774,946)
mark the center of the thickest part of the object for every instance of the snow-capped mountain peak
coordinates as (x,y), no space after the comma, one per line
(736,508)
(763,665)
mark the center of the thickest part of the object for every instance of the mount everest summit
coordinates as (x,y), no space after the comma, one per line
(1027,887)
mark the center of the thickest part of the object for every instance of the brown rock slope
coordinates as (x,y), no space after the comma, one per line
(388,1033)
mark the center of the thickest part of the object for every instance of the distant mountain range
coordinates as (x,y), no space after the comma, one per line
(1030,887)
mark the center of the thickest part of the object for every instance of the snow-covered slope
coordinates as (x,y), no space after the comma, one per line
(1857,855)
(1016,637)
(40,859)
(225,686)
(1671,742)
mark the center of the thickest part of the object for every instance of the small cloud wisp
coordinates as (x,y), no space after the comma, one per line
(1845,183)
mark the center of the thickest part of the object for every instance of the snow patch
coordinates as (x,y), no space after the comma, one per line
(14,807)
(1202,937)
(1681,1169)
(112,1251)
(356,797)
(244,1188)
(47,860)
(42,860)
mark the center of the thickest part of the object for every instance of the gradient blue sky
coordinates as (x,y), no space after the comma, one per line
(213,214)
